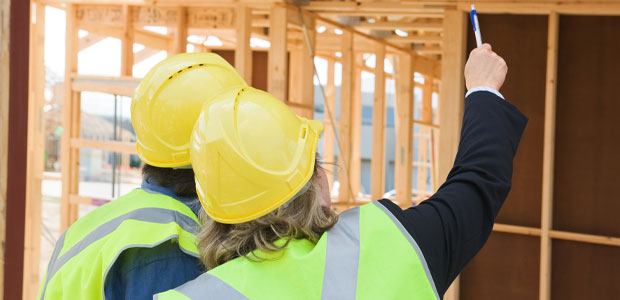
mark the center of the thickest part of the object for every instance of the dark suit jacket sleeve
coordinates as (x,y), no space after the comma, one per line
(452,226)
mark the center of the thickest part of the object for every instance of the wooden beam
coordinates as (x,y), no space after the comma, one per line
(429,50)
(451,100)
(141,36)
(548,158)
(404,133)
(144,54)
(423,64)
(180,32)
(36,149)
(89,40)
(243,51)
(127,42)
(377,167)
(416,38)
(543,7)
(278,56)
(346,100)
(391,7)
(430,25)
(329,134)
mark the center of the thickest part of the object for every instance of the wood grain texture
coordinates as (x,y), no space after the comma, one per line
(505,268)
(587,144)
(585,271)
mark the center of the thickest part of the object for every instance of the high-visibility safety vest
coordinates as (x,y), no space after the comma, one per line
(88,249)
(368,254)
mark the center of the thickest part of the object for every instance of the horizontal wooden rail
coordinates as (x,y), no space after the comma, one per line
(112,146)
(523,230)
(123,86)
(586,238)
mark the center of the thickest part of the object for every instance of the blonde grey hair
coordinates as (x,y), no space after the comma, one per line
(301,218)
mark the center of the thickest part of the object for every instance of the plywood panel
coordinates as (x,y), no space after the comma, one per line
(506,268)
(587,167)
(585,271)
(525,87)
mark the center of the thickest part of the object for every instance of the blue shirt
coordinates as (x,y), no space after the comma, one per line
(139,273)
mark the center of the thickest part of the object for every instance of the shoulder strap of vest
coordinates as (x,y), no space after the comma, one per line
(411,241)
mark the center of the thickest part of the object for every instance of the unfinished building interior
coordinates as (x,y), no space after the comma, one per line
(557,236)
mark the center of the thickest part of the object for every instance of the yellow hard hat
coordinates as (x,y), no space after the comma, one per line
(168,100)
(250,154)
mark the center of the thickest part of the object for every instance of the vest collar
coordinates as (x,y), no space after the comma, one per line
(190,202)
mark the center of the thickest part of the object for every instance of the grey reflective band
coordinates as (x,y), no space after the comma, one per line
(413,244)
(59,244)
(342,257)
(149,214)
(207,286)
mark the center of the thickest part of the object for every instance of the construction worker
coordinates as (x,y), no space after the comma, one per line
(270,233)
(144,242)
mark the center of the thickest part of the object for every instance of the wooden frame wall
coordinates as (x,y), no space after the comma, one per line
(546,233)
(282,78)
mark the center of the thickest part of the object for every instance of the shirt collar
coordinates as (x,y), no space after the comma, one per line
(190,202)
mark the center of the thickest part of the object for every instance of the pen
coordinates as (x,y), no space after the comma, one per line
(475,25)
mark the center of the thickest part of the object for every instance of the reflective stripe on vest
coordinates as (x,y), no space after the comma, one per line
(166,218)
(341,270)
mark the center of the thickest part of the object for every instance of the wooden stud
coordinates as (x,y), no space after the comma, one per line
(451,100)
(424,139)
(180,32)
(74,170)
(329,118)
(4,125)
(404,132)
(127,42)
(278,56)
(36,147)
(307,65)
(294,76)
(346,100)
(67,112)
(243,51)
(355,166)
(548,158)
(377,167)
